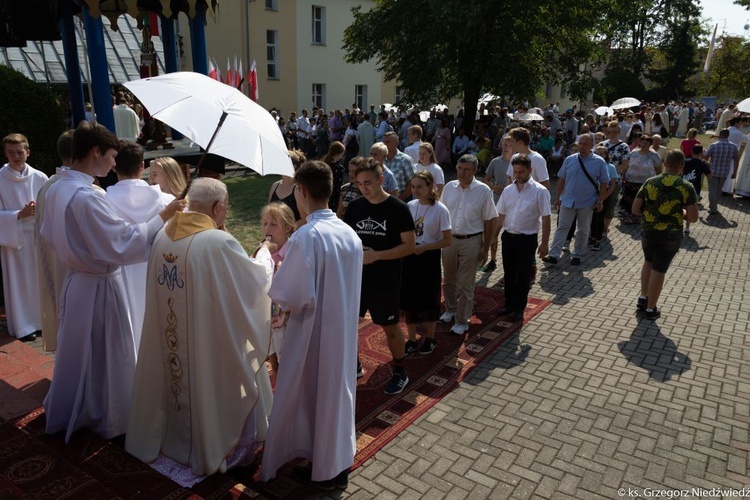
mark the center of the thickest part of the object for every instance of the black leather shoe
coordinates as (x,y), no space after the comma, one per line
(517,316)
(504,311)
(28,338)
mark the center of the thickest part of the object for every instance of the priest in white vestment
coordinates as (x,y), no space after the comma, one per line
(319,284)
(136,201)
(19,185)
(202,393)
(95,362)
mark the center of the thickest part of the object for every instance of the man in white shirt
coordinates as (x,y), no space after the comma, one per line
(523,207)
(473,214)
(303,131)
(520,140)
(414,135)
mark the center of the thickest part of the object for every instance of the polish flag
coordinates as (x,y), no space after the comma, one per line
(219,76)
(252,82)
(212,71)
(230,74)
(238,74)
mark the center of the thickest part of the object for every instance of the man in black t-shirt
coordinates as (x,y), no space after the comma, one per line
(385,225)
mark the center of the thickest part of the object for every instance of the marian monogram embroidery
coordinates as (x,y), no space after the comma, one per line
(174,363)
(169,274)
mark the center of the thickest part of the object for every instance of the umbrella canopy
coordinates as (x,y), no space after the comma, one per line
(386,106)
(604,110)
(744,106)
(486,98)
(424,116)
(625,102)
(530,117)
(194,104)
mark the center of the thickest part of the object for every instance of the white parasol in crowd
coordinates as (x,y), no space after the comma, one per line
(625,102)
(744,106)
(604,110)
(218,117)
(530,117)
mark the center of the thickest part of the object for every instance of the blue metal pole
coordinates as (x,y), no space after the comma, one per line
(99,69)
(198,39)
(72,65)
(170,54)
(170,44)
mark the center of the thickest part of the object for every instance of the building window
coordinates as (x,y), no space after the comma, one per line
(548,93)
(272,53)
(360,96)
(563,93)
(272,4)
(318,25)
(399,95)
(319,95)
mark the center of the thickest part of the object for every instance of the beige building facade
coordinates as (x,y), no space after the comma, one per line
(298,49)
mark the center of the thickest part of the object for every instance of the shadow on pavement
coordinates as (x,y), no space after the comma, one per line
(651,350)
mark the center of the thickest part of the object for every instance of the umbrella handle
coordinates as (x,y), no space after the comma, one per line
(203,156)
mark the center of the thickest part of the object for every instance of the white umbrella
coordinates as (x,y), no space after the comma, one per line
(530,117)
(218,117)
(424,116)
(604,110)
(744,106)
(486,98)
(625,102)
(440,107)
(386,106)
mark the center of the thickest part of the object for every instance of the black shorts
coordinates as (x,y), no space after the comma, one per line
(660,247)
(382,304)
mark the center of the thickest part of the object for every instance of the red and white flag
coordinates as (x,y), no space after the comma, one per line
(252,82)
(230,74)
(213,72)
(238,74)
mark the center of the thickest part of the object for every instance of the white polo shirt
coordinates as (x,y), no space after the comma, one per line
(470,207)
(524,210)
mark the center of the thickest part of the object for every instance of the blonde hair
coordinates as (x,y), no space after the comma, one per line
(173,173)
(281,213)
(430,150)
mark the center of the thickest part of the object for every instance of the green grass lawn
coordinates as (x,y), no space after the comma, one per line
(247,195)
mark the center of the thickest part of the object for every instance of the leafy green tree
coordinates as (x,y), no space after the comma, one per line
(728,76)
(440,49)
(679,51)
(32,110)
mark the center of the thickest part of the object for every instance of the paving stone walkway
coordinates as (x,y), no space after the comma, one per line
(590,401)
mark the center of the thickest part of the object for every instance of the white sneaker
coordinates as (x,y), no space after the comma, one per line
(460,329)
(447,317)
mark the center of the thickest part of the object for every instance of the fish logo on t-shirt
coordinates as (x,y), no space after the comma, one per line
(370,225)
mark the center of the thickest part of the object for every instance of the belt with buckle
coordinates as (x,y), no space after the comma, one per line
(466,236)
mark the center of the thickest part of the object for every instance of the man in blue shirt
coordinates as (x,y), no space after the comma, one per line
(581,189)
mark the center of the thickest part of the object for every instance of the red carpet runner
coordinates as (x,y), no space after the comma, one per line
(34,465)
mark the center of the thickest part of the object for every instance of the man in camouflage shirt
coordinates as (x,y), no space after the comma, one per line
(663,200)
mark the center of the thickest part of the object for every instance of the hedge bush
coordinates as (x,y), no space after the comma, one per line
(31,109)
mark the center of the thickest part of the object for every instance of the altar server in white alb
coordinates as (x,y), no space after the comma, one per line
(319,284)
(135,201)
(19,185)
(50,270)
(202,394)
(95,364)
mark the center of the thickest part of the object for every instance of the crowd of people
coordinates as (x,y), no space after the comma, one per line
(163,324)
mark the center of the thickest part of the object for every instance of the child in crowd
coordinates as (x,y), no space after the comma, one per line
(278,224)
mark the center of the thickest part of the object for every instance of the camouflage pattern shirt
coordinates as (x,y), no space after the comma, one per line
(664,196)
